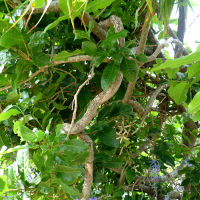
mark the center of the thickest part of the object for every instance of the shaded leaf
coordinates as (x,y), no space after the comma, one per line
(64,55)
(89,48)
(129,69)
(41,59)
(69,189)
(108,137)
(109,75)
(11,38)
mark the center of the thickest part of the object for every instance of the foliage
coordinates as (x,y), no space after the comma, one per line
(42,72)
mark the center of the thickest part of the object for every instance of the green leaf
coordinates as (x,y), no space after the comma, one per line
(22,161)
(141,58)
(109,75)
(64,55)
(38,38)
(66,174)
(27,134)
(194,105)
(108,137)
(112,38)
(129,69)
(16,148)
(81,35)
(74,151)
(41,59)
(96,5)
(196,116)
(39,3)
(179,92)
(3,80)
(59,106)
(11,38)
(168,159)
(69,190)
(89,48)
(66,169)
(130,175)
(112,163)
(3,184)
(171,72)
(176,63)
(194,70)
(6,115)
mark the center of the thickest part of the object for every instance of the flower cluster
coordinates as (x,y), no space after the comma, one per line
(154,168)
(93,198)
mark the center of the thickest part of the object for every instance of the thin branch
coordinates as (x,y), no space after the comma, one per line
(88,179)
(149,104)
(75,101)
(140,49)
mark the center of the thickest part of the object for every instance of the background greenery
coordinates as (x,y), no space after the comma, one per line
(38,83)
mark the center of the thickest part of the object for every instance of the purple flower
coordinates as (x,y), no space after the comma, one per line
(93,198)
(154,168)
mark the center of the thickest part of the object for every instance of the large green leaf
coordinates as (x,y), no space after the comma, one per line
(108,137)
(11,38)
(196,116)
(98,4)
(129,69)
(112,38)
(194,105)
(38,40)
(69,189)
(3,184)
(194,70)
(74,151)
(22,161)
(112,163)
(179,92)
(194,57)
(8,114)
(89,48)
(109,75)
(39,3)
(41,59)
(27,134)
(69,176)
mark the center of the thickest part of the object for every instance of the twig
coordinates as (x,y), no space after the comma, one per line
(149,104)
(140,49)
(75,101)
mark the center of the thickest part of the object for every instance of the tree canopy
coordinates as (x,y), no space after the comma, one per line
(93,106)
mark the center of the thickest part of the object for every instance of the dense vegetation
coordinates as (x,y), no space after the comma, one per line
(92,106)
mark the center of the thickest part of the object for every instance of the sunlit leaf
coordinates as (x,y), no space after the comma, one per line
(194,105)
(8,114)
(179,92)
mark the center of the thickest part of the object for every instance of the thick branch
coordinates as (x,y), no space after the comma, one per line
(100,98)
(93,106)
